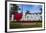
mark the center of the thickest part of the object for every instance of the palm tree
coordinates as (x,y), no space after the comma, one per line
(27,12)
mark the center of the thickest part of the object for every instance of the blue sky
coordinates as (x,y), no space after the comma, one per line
(31,8)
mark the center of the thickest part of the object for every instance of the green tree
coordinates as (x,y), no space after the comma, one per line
(13,9)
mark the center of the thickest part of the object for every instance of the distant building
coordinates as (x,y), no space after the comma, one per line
(32,17)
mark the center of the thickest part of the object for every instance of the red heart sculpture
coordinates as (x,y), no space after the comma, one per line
(18,16)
